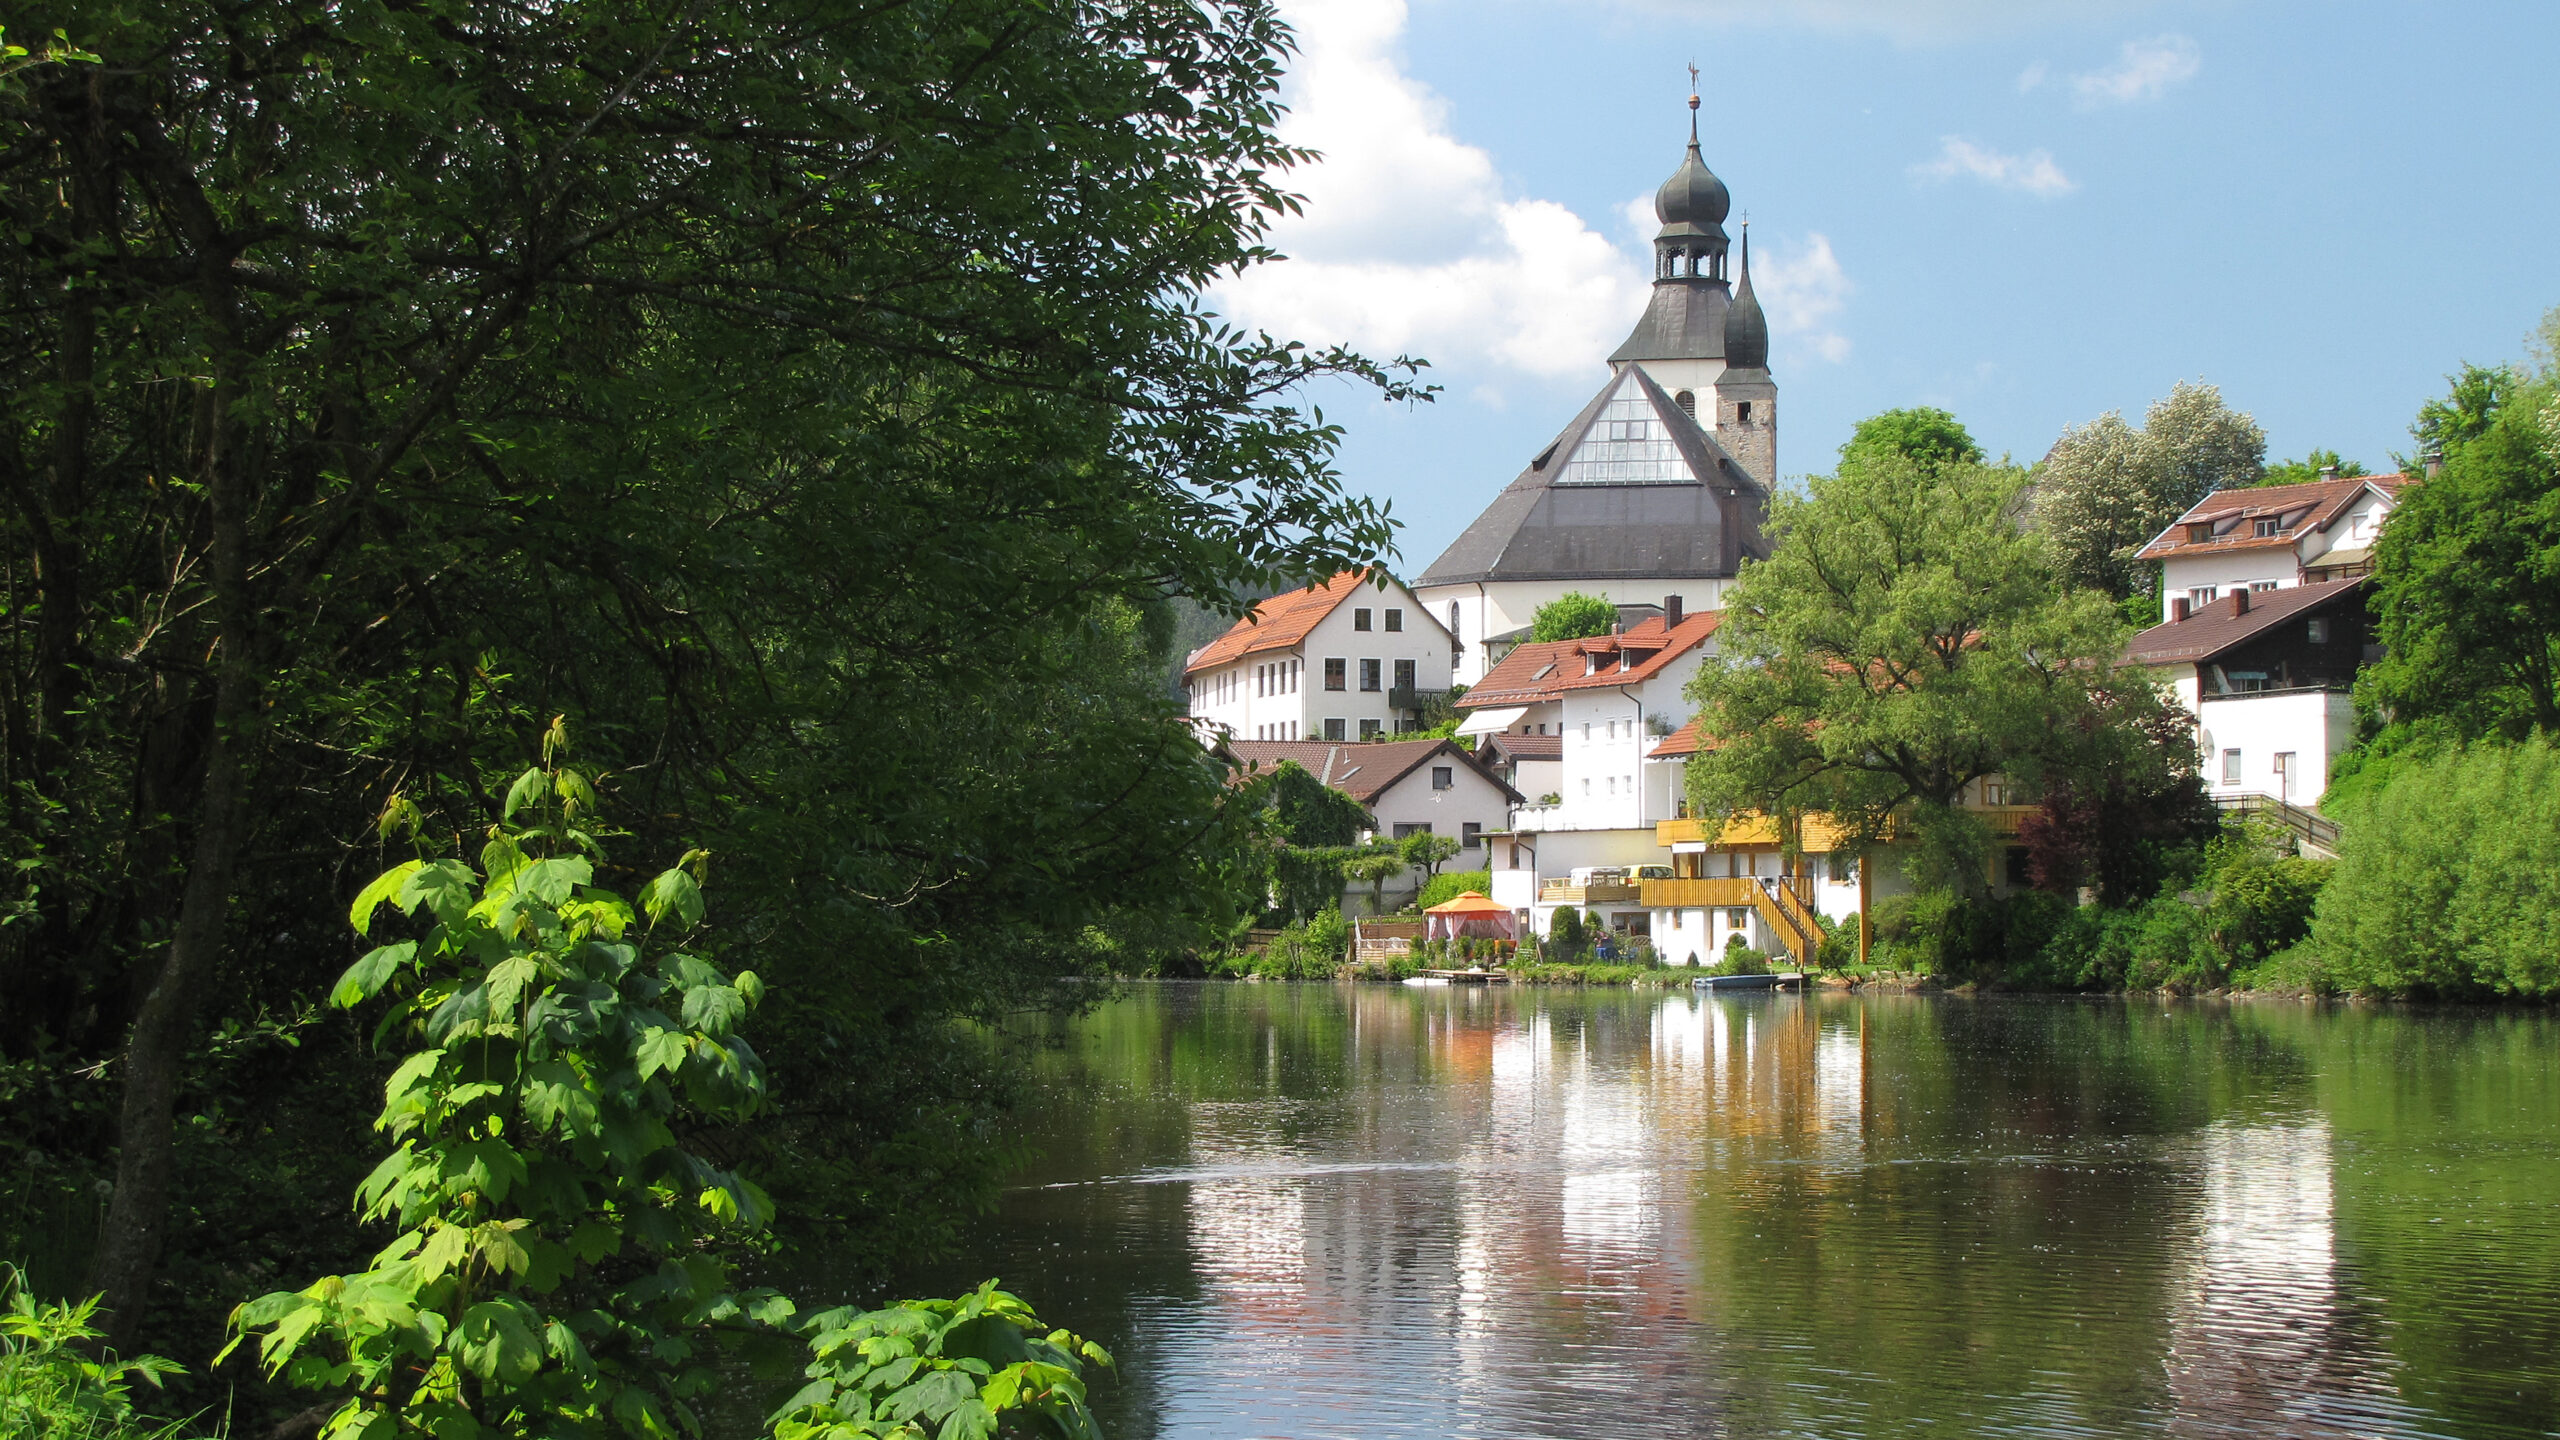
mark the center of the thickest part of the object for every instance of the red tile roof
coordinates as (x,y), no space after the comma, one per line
(1545,670)
(1281,622)
(1684,741)
(2297,508)
(2221,625)
(1363,771)
(1527,747)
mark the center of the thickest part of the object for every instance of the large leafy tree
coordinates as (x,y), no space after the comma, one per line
(2106,487)
(810,397)
(1571,616)
(1905,639)
(2467,574)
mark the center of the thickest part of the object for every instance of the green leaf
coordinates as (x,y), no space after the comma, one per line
(384,886)
(444,887)
(553,881)
(556,1097)
(529,787)
(369,974)
(497,1341)
(507,980)
(672,892)
(713,1009)
(661,1050)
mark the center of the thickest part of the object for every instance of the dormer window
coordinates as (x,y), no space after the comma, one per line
(2269,527)
(2199,532)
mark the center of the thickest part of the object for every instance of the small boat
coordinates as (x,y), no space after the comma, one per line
(1739,982)
(1426,979)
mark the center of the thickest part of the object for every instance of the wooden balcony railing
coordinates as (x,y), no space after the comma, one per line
(1565,892)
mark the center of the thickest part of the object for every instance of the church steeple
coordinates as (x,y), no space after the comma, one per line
(1681,337)
(1692,205)
(1746,330)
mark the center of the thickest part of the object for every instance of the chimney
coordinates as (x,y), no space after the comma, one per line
(2435,460)
(2178,608)
(1670,612)
(2240,601)
(2328,472)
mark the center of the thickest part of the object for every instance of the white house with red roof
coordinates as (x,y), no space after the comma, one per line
(1355,657)
(1408,787)
(2271,537)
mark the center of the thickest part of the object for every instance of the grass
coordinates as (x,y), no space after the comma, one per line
(55,1384)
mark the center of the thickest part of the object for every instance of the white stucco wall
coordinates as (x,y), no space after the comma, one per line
(1422,641)
(1470,798)
(2313,726)
(2227,571)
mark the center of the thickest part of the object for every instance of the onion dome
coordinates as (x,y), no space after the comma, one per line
(1746,330)
(1693,195)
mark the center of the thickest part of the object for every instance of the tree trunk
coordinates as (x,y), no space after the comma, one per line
(155,1051)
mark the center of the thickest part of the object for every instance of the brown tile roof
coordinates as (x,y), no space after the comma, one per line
(2234,513)
(1283,621)
(1364,770)
(1684,741)
(1523,677)
(2221,625)
(1528,747)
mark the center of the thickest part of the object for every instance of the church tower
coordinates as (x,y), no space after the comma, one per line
(1746,398)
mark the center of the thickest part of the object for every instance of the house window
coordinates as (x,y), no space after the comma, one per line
(1687,400)
(1840,871)
(1334,671)
(1406,832)
(1369,671)
(1443,776)
(1586,729)
(1360,618)
(1994,793)
(1369,729)
(1613,784)
(1736,918)
(2267,528)
(2016,859)
(1471,835)
(1333,728)
(2230,767)
(1395,619)
(2319,632)
(2200,532)
(2262,586)
(2284,775)
(1586,787)
(1404,673)
(2202,595)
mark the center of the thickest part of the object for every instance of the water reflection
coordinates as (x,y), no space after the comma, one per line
(1309,1211)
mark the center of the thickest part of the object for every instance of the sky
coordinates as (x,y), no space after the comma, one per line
(2028,212)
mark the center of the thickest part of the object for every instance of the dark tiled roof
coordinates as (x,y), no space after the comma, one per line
(2234,513)
(1537,529)
(1527,747)
(2221,625)
(1362,771)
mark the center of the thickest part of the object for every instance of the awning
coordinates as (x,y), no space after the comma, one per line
(1491,722)
(1471,914)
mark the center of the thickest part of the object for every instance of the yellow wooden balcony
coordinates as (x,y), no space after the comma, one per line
(1565,892)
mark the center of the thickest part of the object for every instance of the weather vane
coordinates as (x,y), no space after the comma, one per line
(1693,79)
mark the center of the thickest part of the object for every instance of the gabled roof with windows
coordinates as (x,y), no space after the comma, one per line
(1363,771)
(1526,676)
(2231,516)
(1283,622)
(2205,635)
(1641,653)
(1632,489)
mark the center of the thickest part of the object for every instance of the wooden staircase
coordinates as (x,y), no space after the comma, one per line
(1785,905)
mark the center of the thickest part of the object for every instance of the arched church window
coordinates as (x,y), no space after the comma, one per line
(1687,400)
(1453,618)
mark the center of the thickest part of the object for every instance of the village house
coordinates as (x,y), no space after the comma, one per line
(1409,787)
(2271,537)
(2269,676)
(1353,658)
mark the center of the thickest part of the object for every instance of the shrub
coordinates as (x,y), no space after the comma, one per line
(52,1385)
(2448,877)
(1446,887)
(1741,959)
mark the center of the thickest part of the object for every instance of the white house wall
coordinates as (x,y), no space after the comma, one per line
(2225,571)
(2313,726)
(1470,798)
(1421,641)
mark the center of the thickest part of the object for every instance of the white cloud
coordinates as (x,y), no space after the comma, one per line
(1803,290)
(2033,172)
(1411,242)
(2031,77)
(2144,70)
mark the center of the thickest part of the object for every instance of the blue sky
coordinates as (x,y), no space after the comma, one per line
(2029,212)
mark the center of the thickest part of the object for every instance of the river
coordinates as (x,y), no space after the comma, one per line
(1388,1211)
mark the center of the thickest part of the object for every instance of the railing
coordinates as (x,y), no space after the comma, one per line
(1565,892)
(1786,904)
(2315,831)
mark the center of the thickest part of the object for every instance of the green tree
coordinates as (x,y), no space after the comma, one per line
(2310,467)
(813,398)
(1427,851)
(2106,488)
(1571,616)
(1904,640)
(2467,572)
(1922,434)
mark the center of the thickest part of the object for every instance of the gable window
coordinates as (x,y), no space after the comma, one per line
(2319,631)
(1334,671)
(1369,729)
(1404,674)
(2230,767)
(1369,670)
(2267,527)
(1687,400)
(1333,728)
(1395,619)
(1443,776)
(1360,618)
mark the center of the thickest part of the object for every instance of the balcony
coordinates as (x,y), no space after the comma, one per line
(1565,892)
(1409,697)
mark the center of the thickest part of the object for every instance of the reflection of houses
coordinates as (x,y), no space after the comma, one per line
(2269,676)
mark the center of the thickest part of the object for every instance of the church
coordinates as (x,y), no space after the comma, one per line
(1659,488)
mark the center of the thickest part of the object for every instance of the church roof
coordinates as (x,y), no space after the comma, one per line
(1632,489)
